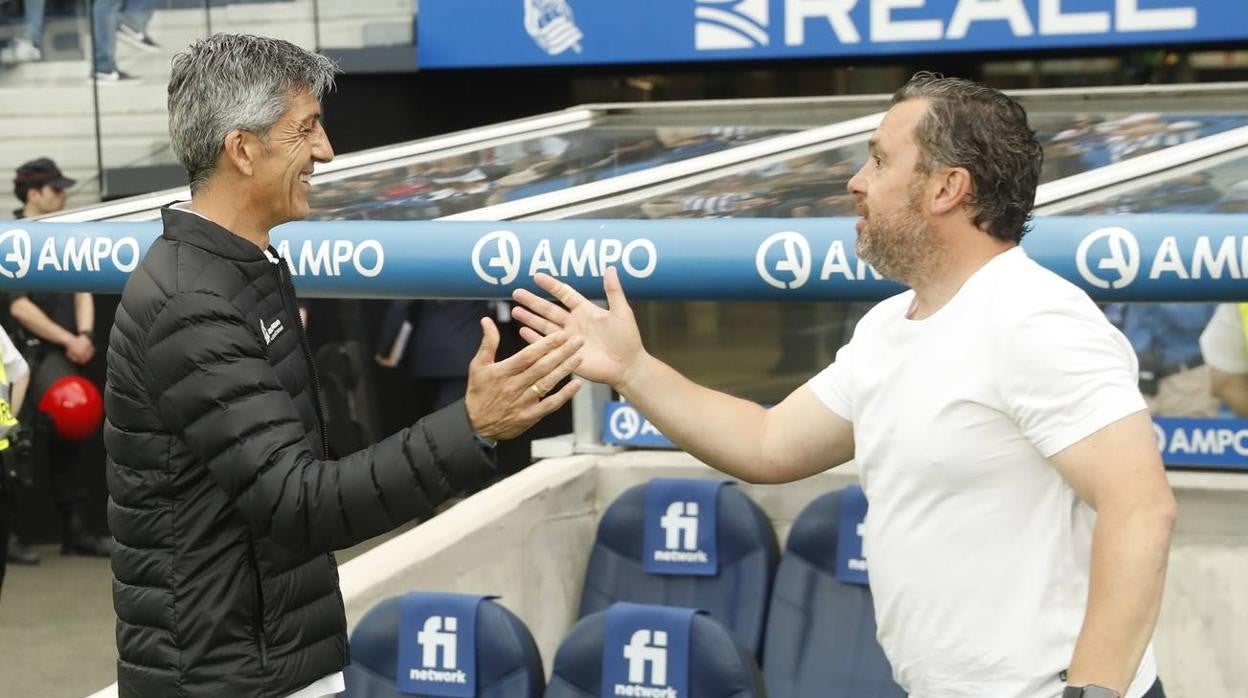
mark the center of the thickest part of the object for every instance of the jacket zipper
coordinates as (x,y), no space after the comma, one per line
(258,620)
(287,285)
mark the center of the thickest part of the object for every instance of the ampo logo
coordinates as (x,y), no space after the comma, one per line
(625,423)
(14,253)
(497,252)
(729,24)
(1122,258)
(794,263)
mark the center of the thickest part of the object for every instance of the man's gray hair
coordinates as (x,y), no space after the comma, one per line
(981,129)
(233,82)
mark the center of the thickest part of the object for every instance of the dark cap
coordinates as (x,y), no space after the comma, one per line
(41,173)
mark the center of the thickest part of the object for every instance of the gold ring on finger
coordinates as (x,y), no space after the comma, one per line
(537,391)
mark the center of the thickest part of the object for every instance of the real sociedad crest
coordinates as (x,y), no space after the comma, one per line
(552,26)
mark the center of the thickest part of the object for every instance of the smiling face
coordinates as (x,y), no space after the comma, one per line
(893,233)
(283,171)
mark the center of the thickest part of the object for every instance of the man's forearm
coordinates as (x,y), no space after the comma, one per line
(1130,549)
(722,431)
(84,312)
(38,323)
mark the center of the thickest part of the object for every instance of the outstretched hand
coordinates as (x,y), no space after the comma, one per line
(507,397)
(612,342)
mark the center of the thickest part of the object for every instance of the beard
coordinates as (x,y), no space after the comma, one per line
(898,244)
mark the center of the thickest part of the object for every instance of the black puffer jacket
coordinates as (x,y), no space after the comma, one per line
(223,504)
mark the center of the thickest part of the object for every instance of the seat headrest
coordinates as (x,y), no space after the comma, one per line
(505,651)
(719,666)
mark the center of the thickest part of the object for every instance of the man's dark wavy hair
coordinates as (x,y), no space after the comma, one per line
(981,129)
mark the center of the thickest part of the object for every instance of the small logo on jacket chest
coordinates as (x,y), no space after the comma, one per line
(271,331)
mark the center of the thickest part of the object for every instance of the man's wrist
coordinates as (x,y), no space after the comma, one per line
(89,334)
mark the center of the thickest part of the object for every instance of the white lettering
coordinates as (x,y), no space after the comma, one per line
(969,11)
(1204,259)
(885,28)
(857,564)
(680,556)
(835,11)
(1053,21)
(609,252)
(543,259)
(123,244)
(434,675)
(342,253)
(836,262)
(577,265)
(1168,260)
(379,258)
(313,262)
(651,258)
(631,691)
(77,254)
(1132,19)
(47,255)
(1204,441)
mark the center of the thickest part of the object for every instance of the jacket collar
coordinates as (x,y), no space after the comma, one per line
(193,229)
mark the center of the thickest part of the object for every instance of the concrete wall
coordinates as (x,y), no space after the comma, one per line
(527,539)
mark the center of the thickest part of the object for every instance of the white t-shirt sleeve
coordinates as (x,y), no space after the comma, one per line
(1067,374)
(15,367)
(832,384)
(1222,343)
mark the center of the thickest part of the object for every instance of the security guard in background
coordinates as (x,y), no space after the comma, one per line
(56,334)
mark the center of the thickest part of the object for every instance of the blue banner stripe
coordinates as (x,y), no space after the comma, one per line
(1205,444)
(488,33)
(1175,257)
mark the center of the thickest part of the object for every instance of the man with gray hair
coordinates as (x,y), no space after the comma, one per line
(224,502)
(1020,517)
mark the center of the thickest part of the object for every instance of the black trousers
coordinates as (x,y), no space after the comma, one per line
(59,457)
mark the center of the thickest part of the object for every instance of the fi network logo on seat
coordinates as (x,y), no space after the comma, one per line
(730,24)
(439,640)
(680,535)
(647,648)
(680,526)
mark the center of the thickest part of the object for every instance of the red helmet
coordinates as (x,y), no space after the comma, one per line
(75,406)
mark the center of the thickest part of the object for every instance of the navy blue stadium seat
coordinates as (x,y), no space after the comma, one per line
(736,596)
(821,631)
(508,662)
(720,666)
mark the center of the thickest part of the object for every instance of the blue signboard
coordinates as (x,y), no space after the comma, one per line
(493,33)
(1204,444)
(1220,444)
(1155,257)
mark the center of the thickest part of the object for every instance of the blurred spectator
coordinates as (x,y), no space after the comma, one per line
(1173,376)
(126,19)
(1224,345)
(437,339)
(30,47)
(57,334)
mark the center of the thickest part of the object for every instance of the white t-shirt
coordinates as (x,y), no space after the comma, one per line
(1222,343)
(979,552)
